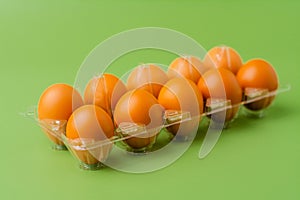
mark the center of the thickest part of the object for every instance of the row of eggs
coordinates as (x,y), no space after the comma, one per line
(190,85)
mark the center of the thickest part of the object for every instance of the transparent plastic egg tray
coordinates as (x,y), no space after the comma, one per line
(92,155)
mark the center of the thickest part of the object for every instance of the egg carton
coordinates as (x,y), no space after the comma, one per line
(93,155)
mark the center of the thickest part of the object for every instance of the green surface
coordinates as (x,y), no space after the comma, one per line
(44,42)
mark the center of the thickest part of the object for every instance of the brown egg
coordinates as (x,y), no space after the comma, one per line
(55,106)
(141,108)
(148,77)
(257,77)
(188,67)
(217,86)
(223,57)
(104,91)
(90,124)
(182,95)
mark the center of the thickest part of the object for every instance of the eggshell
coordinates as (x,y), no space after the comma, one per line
(58,102)
(223,57)
(90,124)
(258,74)
(148,77)
(182,95)
(140,107)
(221,84)
(56,105)
(189,67)
(104,91)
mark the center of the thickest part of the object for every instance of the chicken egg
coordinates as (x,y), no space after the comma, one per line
(257,76)
(104,91)
(148,77)
(56,105)
(141,108)
(189,67)
(223,57)
(87,125)
(180,94)
(220,85)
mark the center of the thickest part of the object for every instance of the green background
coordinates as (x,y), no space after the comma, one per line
(45,42)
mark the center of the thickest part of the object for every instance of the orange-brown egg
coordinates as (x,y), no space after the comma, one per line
(223,57)
(104,91)
(221,84)
(142,108)
(189,67)
(148,77)
(57,104)
(255,75)
(89,124)
(182,95)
